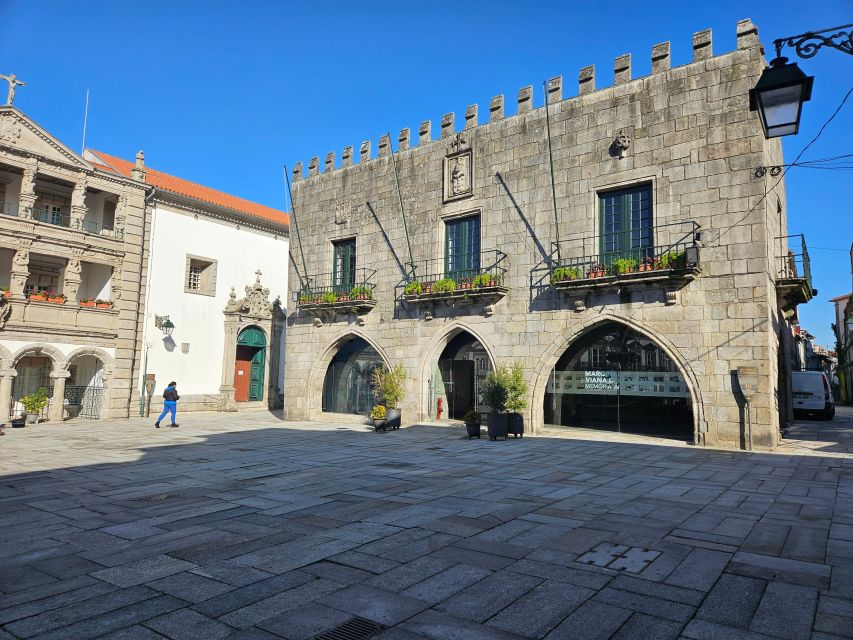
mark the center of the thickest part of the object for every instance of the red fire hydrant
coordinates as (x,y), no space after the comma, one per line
(440,408)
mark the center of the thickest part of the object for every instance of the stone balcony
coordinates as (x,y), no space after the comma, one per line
(593,264)
(56,320)
(794,273)
(329,296)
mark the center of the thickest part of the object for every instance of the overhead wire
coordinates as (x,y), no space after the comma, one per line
(788,167)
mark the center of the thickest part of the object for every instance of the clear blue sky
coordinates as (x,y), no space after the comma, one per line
(225,92)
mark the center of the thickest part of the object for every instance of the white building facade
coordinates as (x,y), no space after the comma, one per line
(217,271)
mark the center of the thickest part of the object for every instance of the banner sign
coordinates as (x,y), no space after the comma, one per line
(659,384)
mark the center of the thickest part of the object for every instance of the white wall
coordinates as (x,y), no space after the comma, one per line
(199,319)
(96,281)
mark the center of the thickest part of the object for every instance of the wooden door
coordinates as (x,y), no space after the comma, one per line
(256,375)
(463,388)
(242,374)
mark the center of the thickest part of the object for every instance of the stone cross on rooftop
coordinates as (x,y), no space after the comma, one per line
(13,82)
(458,142)
(258,275)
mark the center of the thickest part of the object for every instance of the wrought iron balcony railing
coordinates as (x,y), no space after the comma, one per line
(438,278)
(668,251)
(794,270)
(328,292)
(57,218)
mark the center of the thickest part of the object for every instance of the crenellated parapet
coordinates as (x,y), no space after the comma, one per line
(747,38)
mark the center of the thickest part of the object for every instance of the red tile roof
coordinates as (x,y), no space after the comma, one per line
(183,187)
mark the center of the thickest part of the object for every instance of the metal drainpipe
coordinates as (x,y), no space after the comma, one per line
(145,241)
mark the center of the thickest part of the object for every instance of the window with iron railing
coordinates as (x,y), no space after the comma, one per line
(344,266)
(462,247)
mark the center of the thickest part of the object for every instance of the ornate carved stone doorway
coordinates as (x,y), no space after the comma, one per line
(253,328)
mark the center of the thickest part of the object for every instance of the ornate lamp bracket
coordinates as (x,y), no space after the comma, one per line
(807,44)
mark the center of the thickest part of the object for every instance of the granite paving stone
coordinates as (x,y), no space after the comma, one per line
(187,624)
(252,528)
(733,601)
(489,596)
(540,610)
(786,611)
(379,605)
(591,621)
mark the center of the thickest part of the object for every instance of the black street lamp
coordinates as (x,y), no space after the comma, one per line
(164,324)
(779,96)
(783,88)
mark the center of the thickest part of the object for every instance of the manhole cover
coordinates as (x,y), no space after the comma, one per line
(619,557)
(355,629)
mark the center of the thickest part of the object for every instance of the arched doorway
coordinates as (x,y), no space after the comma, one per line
(615,378)
(346,388)
(84,389)
(249,365)
(458,376)
(32,373)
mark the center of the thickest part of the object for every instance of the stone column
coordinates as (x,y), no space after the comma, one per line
(27,199)
(71,281)
(57,406)
(229,358)
(20,271)
(78,203)
(7,377)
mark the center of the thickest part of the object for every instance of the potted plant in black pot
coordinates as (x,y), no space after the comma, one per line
(495,394)
(390,386)
(377,417)
(472,421)
(34,404)
(516,401)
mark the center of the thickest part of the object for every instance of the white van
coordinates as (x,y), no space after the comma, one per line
(812,393)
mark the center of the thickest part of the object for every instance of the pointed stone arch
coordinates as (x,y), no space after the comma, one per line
(559,345)
(314,397)
(434,350)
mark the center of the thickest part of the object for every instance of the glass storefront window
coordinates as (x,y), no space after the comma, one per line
(615,378)
(347,385)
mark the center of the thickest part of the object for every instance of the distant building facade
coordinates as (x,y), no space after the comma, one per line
(665,269)
(96,251)
(215,270)
(72,241)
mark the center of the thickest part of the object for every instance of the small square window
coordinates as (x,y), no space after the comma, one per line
(200,276)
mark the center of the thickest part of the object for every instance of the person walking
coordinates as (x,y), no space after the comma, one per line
(170,404)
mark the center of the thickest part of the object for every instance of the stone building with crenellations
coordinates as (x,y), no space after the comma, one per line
(665,268)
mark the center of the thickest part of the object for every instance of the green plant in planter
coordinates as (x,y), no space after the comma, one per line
(561,274)
(361,293)
(378,412)
(389,384)
(329,298)
(624,265)
(445,285)
(672,260)
(472,418)
(34,403)
(303,298)
(414,288)
(516,401)
(505,389)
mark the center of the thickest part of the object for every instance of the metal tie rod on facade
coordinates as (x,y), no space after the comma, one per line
(551,164)
(413,274)
(296,227)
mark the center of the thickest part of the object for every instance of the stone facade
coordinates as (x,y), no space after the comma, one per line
(686,130)
(75,230)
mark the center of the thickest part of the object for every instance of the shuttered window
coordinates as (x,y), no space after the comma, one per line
(344,265)
(462,247)
(626,223)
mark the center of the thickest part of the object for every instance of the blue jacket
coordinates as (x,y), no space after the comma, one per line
(170,394)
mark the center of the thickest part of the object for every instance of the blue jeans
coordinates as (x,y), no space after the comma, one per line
(169,406)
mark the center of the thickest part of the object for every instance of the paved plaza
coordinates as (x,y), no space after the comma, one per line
(248,527)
